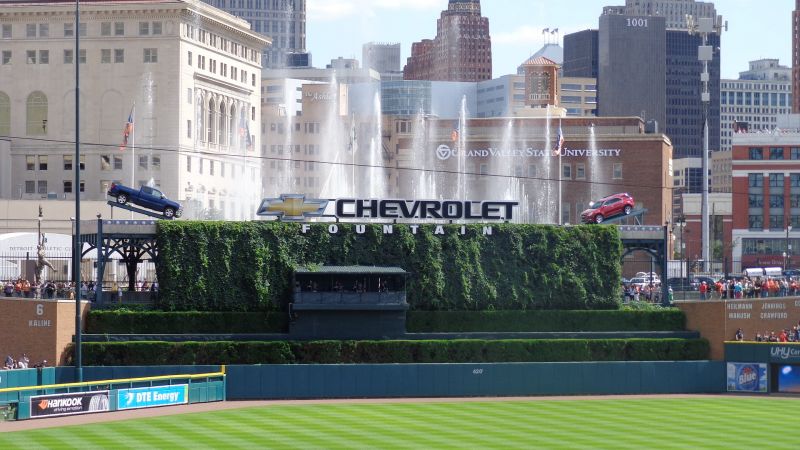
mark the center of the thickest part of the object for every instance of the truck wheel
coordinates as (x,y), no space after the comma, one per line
(599,218)
(169,212)
(122,199)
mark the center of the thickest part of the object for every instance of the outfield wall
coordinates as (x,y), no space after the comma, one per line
(449,380)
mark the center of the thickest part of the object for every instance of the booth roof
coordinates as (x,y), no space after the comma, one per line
(351,270)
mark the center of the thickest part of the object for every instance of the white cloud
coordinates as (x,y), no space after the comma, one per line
(330,10)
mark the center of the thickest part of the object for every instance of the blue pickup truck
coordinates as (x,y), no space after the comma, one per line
(146,197)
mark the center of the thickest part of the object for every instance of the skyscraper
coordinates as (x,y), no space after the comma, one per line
(580,54)
(282,20)
(796,58)
(673,11)
(384,58)
(461,50)
(669,91)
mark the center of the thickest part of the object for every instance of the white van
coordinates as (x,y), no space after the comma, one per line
(773,272)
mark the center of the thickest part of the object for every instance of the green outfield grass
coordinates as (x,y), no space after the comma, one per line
(640,423)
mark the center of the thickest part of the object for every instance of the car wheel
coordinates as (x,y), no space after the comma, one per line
(599,218)
(628,209)
(122,199)
(169,212)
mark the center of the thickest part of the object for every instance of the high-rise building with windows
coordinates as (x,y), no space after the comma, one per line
(169,97)
(284,21)
(674,12)
(461,51)
(385,58)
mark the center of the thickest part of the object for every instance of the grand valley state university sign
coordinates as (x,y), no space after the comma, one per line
(297,208)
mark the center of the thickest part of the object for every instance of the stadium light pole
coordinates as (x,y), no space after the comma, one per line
(77,248)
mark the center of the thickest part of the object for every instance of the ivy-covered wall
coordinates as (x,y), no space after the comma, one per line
(248,266)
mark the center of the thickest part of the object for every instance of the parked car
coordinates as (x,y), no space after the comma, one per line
(146,197)
(607,207)
(791,273)
(680,284)
(649,276)
(699,279)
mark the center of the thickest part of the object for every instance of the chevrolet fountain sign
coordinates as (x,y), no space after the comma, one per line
(444,152)
(294,207)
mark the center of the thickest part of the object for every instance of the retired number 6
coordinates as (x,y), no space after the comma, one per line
(39,309)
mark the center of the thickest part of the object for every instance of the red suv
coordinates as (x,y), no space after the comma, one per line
(606,207)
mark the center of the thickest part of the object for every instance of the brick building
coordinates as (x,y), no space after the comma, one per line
(766,198)
(461,51)
(796,57)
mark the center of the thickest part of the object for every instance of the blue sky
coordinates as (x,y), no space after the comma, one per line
(756,28)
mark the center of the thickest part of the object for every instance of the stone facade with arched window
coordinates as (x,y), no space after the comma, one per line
(182,72)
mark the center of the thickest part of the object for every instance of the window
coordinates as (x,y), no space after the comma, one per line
(30,30)
(6,31)
(144,28)
(105,56)
(67,56)
(776,153)
(190,58)
(156,27)
(756,201)
(82,29)
(118,163)
(143,162)
(617,174)
(189,95)
(794,153)
(776,222)
(776,180)
(31,56)
(119,28)
(42,162)
(119,55)
(189,129)
(105,162)
(105,29)
(580,171)
(566,171)
(151,55)
(42,187)
(156,163)
(776,201)
(44,56)
(30,187)
(83,162)
(67,162)
(189,164)
(69,29)
(68,187)
(756,153)
(755,180)
(44,30)
(6,57)
(30,162)
(36,114)
(82,187)
(756,222)
(82,56)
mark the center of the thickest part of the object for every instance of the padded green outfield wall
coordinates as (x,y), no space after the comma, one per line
(248,266)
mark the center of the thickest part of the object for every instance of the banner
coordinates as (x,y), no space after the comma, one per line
(747,377)
(149,397)
(69,404)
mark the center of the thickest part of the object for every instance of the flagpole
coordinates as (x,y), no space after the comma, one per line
(560,170)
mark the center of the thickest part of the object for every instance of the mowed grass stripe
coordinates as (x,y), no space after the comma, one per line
(723,422)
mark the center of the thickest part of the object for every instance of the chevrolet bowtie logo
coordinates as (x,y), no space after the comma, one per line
(292,207)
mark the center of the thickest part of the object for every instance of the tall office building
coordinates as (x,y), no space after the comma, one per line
(669,91)
(385,58)
(580,54)
(673,11)
(796,58)
(756,100)
(284,21)
(461,51)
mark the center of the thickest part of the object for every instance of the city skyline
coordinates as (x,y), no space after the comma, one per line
(516,36)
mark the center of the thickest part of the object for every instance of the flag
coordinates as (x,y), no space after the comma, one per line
(560,141)
(248,139)
(244,133)
(546,30)
(126,132)
(455,133)
(555,30)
